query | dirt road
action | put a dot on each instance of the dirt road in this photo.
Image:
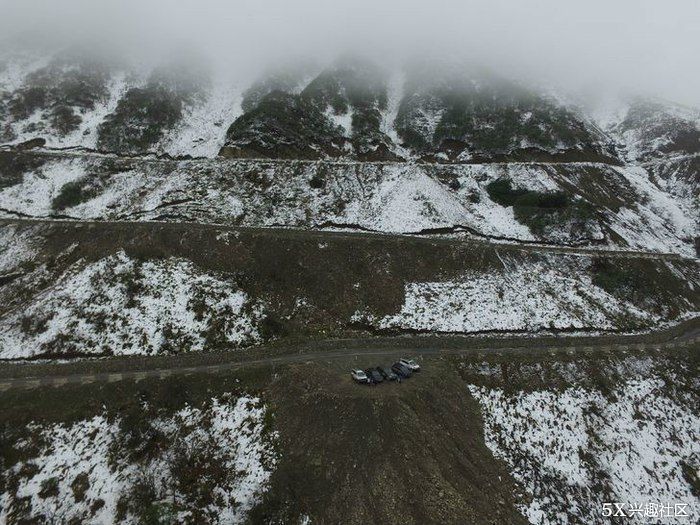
(321, 234)
(31, 375)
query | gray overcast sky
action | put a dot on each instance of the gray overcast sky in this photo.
(642, 45)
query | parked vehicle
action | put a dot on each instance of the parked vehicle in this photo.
(359, 376)
(401, 370)
(374, 376)
(386, 373)
(410, 363)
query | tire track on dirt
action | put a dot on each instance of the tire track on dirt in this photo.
(689, 337)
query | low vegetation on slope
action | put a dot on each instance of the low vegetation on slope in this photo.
(654, 129)
(143, 464)
(130, 289)
(338, 114)
(463, 114)
(145, 114)
(541, 210)
(434, 111)
(283, 126)
(583, 432)
(119, 305)
(55, 98)
(261, 445)
(605, 206)
(524, 438)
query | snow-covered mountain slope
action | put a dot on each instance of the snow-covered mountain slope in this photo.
(72, 100)
(131, 289)
(552, 293)
(99, 470)
(679, 177)
(655, 129)
(436, 113)
(576, 435)
(351, 108)
(119, 305)
(339, 113)
(663, 138)
(583, 204)
(518, 163)
(463, 113)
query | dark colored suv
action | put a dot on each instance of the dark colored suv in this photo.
(374, 376)
(386, 373)
(401, 370)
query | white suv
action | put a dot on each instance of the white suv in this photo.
(410, 363)
(359, 376)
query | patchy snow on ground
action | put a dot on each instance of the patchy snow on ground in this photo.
(405, 200)
(238, 431)
(202, 130)
(18, 246)
(119, 305)
(200, 133)
(86, 134)
(39, 123)
(341, 120)
(657, 217)
(69, 451)
(555, 293)
(16, 68)
(86, 472)
(576, 449)
(35, 194)
(678, 177)
(626, 208)
(646, 128)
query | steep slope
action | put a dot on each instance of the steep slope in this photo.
(581, 204)
(338, 113)
(91, 101)
(284, 126)
(653, 129)
(664, 138)
(579, 433)
(61, 98)
(457, 114)
(73, 290)
(137, 466)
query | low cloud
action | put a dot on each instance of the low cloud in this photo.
(596, 46)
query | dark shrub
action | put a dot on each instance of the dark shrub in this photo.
(49, 488)
(71, 194)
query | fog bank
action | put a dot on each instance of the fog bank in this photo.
(594, 46)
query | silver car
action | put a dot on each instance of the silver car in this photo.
(410, 363)
(359, 376)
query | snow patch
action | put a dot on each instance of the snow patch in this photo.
(35, 194)
(119, 306)
(230, 432)
(560, 444)
(523, 296)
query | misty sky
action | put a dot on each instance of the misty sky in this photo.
(594, 46)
